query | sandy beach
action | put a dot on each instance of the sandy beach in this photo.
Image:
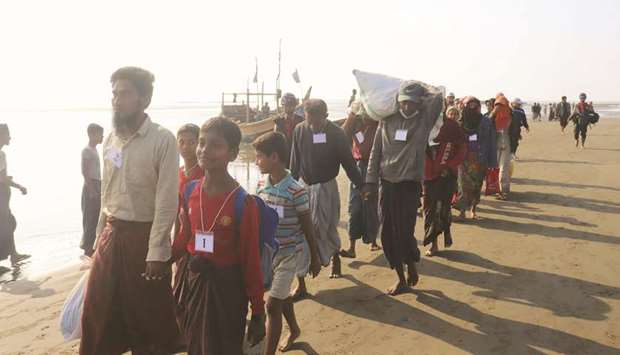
(537, 274)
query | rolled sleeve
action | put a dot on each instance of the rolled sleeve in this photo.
(166, 200)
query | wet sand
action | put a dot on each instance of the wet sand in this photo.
(538, 274)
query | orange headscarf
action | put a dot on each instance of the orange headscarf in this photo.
(503, 113)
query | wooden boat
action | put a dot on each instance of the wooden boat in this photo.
(251, 130)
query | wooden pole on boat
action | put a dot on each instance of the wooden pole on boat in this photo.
(247, 102)
(262, 95)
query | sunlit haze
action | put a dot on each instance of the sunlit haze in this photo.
(61, 53)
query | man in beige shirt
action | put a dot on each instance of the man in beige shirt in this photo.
(129, 303)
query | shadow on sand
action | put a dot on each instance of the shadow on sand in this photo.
(566, 297)
(537, 182)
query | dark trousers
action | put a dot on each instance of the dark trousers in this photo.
(581, 130)
(437, 216)
(363, 218)
(91, 205)
(398, 204)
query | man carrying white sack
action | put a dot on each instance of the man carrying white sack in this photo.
(397, 166)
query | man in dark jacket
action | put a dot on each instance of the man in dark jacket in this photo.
(563, 112)
(519, 120)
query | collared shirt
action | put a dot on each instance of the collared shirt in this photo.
(395, 160)
(316, 156)
(293, 199)
(141, 183)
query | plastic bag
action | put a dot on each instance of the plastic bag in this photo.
(378, 93)
(492, 182)
(71, 315)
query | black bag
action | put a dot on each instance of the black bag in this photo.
(592, 116)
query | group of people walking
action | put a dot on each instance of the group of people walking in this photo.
(433, 153)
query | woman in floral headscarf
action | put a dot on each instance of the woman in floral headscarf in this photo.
(481, 155)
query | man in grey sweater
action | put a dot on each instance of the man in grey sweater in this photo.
(397, 165)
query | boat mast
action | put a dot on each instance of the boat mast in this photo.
(278, 78)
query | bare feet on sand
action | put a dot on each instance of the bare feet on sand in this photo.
(300, 291)
(336, 271)
(289, 339)
(412, 275)
(347, 253)
(398, 288)
(432, 251)
(374, 247)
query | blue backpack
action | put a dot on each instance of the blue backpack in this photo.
(268, 225)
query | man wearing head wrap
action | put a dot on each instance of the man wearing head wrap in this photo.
(519, 119)
(320, 147)
(286, 122)
(581, 119)
(397, 165)
(481, 154)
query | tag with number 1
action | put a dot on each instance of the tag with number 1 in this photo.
(204, 242)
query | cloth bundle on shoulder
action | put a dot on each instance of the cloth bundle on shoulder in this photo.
(379, 93)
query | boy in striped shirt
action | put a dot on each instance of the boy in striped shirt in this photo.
(280, 191)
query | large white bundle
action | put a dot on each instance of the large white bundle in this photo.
(378, 93)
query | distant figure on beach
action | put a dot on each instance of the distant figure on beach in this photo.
(353, 97)
(519, 119)
(444, 155)
(563, 112)
(265, 110)
(481, 155)
(129, 303)
(551, 112)
(8, 223)
(363, 219)
(91, 192)
(536, 112)
(545, 109)
(396, 164)
(502, 115)
(286, 122)
(581, 119)
(320, 147)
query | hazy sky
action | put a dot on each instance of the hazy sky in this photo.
(61, 53)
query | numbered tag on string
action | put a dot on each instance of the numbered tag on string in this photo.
(204, 241)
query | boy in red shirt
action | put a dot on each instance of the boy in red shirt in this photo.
(187, 140)
(220, 269)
